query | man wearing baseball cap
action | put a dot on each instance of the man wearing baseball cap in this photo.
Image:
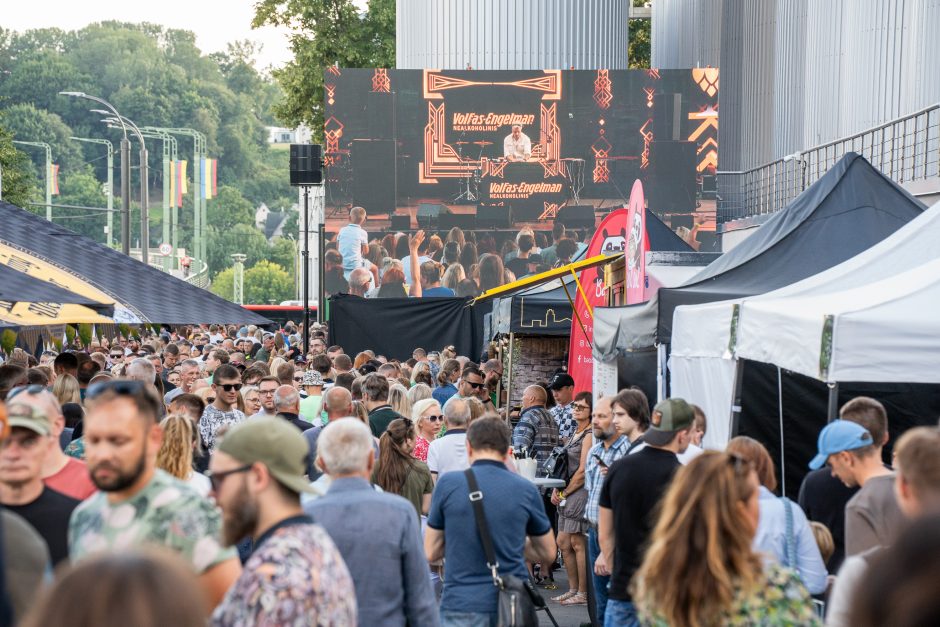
(872, 516)
(630, 494)
(295, 575)
(562, 389)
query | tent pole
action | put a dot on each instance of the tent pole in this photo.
(783, 463)
(660, 376)
(736, 402)
(512, 336)
(833, 410)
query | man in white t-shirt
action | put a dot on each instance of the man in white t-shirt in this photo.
(353, 242)
(517, 146)
(449, 452)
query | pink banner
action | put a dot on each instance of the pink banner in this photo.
(637, 244)
(610, 238)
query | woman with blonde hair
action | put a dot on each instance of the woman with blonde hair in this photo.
(428, 418)
(66, 389)
(700, 569)
(180, 440)
(398, 399)
(419, 392)
(251, 397)
(453, 275)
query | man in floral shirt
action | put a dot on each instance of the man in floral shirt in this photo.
(137, 503)
(295, 576)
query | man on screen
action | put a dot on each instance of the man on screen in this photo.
(517, 146)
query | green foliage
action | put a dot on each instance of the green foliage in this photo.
(19, 182)
(27, 123)
(284, 254)
(241, 238)
(327, 32)
(84, 333)
(266, 282)
(8, 341)
(639, 49)
(229, 208)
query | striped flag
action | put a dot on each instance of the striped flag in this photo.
(173, 184)
(209, 174)
(179, 177)
(54, 177)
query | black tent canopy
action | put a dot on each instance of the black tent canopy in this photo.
(19, 287)
(851, 208)
(142, 294)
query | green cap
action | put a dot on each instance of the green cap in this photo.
(669, 416)
(28, 417)
(275, 443)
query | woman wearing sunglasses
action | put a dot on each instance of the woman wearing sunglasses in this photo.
(428, 418)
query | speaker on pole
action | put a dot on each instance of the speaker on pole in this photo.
(306, 164)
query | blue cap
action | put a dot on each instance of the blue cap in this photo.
(838, 436)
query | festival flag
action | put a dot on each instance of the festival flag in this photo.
(183, 182)
(173, 184)
(54, 177)
(202, 178)
(209, 174)
(215, 177)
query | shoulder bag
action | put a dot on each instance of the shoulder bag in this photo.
(556, 466)
(518, 599)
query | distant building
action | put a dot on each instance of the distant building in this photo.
(281, 135)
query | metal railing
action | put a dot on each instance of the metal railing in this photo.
(906, 149)
(199, 275)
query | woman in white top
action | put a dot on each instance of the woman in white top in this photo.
(783, 532)
(175, 456)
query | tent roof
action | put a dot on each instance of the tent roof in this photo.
(142, 293)
(19, 287)
(852, 207)
(882, 305)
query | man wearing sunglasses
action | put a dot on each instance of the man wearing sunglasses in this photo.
(138, 504)
(223, 411)
(473, 384)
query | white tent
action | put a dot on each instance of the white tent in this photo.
(871, 318)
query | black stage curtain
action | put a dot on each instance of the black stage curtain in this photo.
(394, 327)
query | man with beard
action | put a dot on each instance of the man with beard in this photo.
(139, 504)
(609, 446)
(295, 575)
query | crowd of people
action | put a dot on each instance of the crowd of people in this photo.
(227, 475)
(451, 264)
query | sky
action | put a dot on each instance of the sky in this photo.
(215, 22)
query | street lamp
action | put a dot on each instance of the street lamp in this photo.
(105, 142)
(144, 194)
(48, 176)
(125, 169)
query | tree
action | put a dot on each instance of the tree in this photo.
(80, 188)
(19, 183)
(327, 32)
(229, 208)
(224, 284)
(27, 123)
(284, 253)
(639, 35)
(266, 282)
(241, 238)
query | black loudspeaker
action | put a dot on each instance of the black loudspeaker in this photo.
(465, 221)
(577, 217)
(374, 181)
(429, 214)
(493, 217)
(672, 177)
(306, 164)
(667, 117)
(380, 109)
(400, 222)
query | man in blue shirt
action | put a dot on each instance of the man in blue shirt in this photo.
(431, 281)
(377, 533)
(520, 532)
(353, 242)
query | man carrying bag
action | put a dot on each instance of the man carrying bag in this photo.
(485, 577)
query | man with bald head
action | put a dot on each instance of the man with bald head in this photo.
(60, 472)
(337, 403)
(287, 406)
(536, 431)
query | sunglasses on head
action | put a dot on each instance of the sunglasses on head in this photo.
(228, 387)
(121, 387)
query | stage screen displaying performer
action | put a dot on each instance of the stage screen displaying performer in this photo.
(530, 142)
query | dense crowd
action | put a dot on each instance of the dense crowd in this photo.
(227, 475)
(451, 264)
